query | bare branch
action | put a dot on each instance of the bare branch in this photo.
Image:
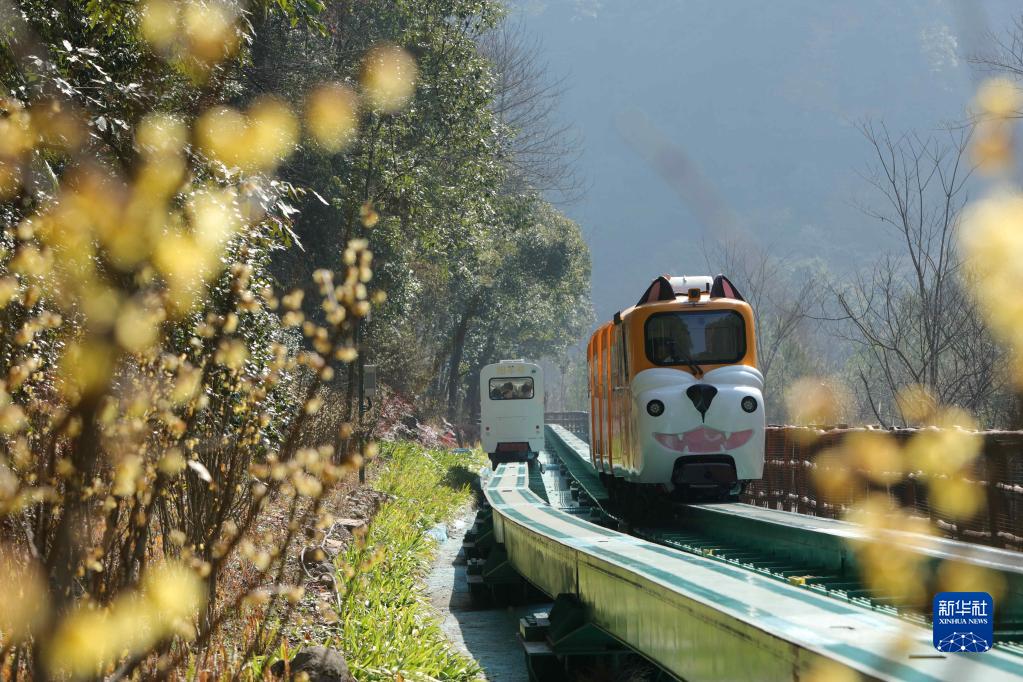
(911, 315)
(540, 151)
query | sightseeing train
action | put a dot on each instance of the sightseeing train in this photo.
(676, 399)
(511, 411)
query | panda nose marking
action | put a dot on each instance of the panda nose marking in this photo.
(702, 396)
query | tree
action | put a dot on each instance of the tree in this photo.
(440, 189)
(911, 315)
(780, 292)
(1005, 54)
(538, 151)
(418, 184)
(539, 305)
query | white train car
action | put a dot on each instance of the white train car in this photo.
(511, 410)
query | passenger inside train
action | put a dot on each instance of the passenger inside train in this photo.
(668, 341)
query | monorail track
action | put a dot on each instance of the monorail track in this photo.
(697, 601)
(809, 551)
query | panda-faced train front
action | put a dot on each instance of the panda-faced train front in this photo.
(676, 396)
(699, 433)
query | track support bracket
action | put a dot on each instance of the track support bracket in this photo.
(564, 639)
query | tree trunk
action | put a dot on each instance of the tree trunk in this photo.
(457, 349)
(472, 396)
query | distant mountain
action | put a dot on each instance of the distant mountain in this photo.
(758, 102)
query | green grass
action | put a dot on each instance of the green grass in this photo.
(386, 625)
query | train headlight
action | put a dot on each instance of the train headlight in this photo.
(655, 408)
(749, 404)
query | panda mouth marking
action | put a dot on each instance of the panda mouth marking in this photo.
(704, 440)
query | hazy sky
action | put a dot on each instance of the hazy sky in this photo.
(762, 99)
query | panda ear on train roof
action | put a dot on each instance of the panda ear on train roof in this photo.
(723, 288)
(659, 290)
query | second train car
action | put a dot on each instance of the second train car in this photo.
(676, 396)
(511, 411)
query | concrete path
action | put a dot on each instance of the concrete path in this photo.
(487, 636)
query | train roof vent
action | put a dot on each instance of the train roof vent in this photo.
(667, 287)
(682, 284)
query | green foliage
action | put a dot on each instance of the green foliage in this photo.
(386, 625)
(471, 272)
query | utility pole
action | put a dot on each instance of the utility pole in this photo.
(367, 390)
(361, 397)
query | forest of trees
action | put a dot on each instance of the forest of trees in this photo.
(476, 264)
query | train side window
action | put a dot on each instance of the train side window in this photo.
(625, 355)
(616, 379)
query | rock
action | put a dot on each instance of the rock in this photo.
(439, 532)
(333, 547)
(341, 534)
(320, 663)
(350, 523)
(362, 504)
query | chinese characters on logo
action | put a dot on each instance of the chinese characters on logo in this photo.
(964, 622)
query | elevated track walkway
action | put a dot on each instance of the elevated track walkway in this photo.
(734, 592)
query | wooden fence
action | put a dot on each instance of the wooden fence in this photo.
(792, 457)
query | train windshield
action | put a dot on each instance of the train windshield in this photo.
(706, 337)
(511, 388)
